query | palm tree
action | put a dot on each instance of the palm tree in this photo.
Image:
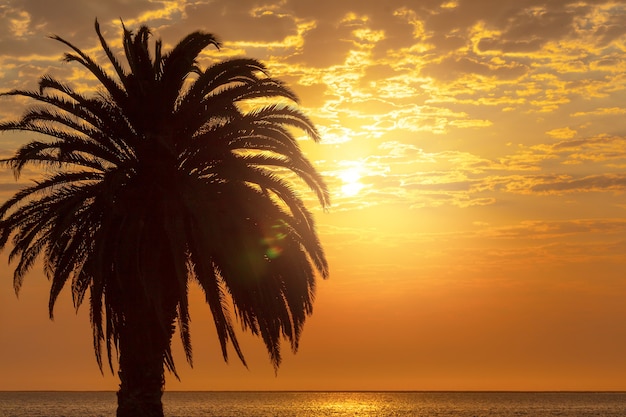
(171, 173)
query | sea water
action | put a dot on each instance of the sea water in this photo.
(321, 404)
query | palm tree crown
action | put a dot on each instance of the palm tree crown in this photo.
(168, 175)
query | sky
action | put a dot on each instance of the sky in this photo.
(476, 155)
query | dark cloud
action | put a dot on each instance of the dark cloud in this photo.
(549, 229)
(613, 29)
(68, 18)
(444, 186)
(453, 67)
(602, 182)
(240, 21)
(320, 50)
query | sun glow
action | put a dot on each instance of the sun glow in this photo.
(351, 181)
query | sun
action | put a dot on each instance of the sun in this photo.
(351, 181)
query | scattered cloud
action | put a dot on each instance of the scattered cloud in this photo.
(422, 97)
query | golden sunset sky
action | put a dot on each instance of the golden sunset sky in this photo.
(476, 155)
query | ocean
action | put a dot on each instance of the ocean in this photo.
(321, 404)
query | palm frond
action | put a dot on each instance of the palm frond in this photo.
(107, 50)
(116, 91)
(216, 76)
(181, 61)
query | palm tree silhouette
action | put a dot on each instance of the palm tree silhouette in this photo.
(171, 173)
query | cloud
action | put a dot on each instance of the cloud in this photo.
(598, 149)
(541, 229)
(454, 67)
(562, 133)
(603, 111)
(595, 183)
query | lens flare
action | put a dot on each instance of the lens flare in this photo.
(273, 240)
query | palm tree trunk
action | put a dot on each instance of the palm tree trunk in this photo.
(143, 342)
(142, 347)
(149, 293)
(141, 373)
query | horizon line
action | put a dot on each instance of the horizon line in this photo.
(487, 391)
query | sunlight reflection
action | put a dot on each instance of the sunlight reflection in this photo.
(350, 407)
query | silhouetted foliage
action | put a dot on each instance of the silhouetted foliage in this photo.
(167, 175)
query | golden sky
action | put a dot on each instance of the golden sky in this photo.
(476, 153)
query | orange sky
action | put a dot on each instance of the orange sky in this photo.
(476, 153)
